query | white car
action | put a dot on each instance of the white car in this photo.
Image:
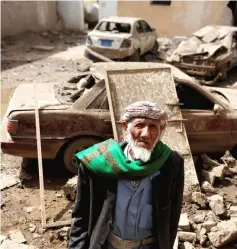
(121, 38)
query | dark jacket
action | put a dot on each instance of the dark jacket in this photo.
(94, 207)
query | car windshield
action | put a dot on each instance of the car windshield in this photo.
(114, 27)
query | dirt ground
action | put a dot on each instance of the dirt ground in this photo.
(23, 64)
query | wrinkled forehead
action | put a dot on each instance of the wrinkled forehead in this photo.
(144, 120)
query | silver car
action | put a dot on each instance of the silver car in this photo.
(121, 38)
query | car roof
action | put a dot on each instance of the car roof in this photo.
(119, 19)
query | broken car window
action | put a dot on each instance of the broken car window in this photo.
(114, 27)
(192, 99)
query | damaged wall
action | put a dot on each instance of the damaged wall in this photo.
(180, 17)
(19, 16)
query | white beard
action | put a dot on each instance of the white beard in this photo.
(139, 152)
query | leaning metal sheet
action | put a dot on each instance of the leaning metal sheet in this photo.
(154, 84)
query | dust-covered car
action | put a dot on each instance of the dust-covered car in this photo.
(121, 38)
(211, 51)
(71, 120)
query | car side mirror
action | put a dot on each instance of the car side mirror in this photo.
(218, 110)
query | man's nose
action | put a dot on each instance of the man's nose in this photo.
(145, 133)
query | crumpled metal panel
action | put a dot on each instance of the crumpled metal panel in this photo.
(155, 84)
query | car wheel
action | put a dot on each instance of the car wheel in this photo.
(74, 147)
(135, 56)
(234, 151)
(154, 50)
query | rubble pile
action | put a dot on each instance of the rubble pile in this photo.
(213, 224)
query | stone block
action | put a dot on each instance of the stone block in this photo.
(184, 222)
(199, 198)
(225, 232)
(187, 236)
(216, 204)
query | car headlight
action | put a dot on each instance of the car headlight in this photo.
(89, 40)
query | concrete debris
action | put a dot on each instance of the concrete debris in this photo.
(199, 198)
(216, 203)
(208, 225)
(32, 227)
(208, 176)
(219, 171)
(8, 244)
(59, 195)
(187, 236)
(206, 187)
(17, 236)
(31, 209)
(44, 34)
(233, 212)
(187, 245)
(201, 234)
(210, 216)
(70, 188)
(184, 222)
(2, 238)
(199, 218)
(223, 233)
(43, 47)
(62, 233)
(7, 181)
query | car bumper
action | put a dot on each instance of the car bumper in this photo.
(199, 70)
(28, 148)
(113, 53)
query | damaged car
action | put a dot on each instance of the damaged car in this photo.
(209, 52)
(121, 38)
(75, 115)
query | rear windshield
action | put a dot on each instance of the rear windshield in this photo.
(114, 27)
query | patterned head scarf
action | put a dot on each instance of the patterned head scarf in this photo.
(145, 109)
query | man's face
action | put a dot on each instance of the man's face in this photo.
(145, 132)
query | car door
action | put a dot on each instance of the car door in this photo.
(206, 130)
(141, 37)
(150, 35)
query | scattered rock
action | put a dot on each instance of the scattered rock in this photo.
(17, 236)
(208, 176)
(219, 171)
(85, 66)
(187, 236)
(203, 239)
(70, 188)
(30, 209)
(216, 203)
(233, 212)
(210, 216)
(62, 233)
(8, 244)
(208, 225)
(184, 222)
(2, 238)
(199, 218)
(59, 195)
(223, 233)
(206, 187)
(199, 198)
(187, 245)
(44, 34)
(7, 181)
(43, 47)
(32, 227)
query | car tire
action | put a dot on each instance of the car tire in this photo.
(154, 50)
(234, 151)
(135, 56)
(72, 148)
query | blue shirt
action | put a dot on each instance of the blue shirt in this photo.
(133, 211)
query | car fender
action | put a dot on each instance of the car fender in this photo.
(223, 59)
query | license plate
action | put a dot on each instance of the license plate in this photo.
(106, 43)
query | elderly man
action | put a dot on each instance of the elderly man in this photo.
(129, 195)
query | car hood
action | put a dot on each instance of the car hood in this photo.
(109, 35)
(229, 93)
(23, 98)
